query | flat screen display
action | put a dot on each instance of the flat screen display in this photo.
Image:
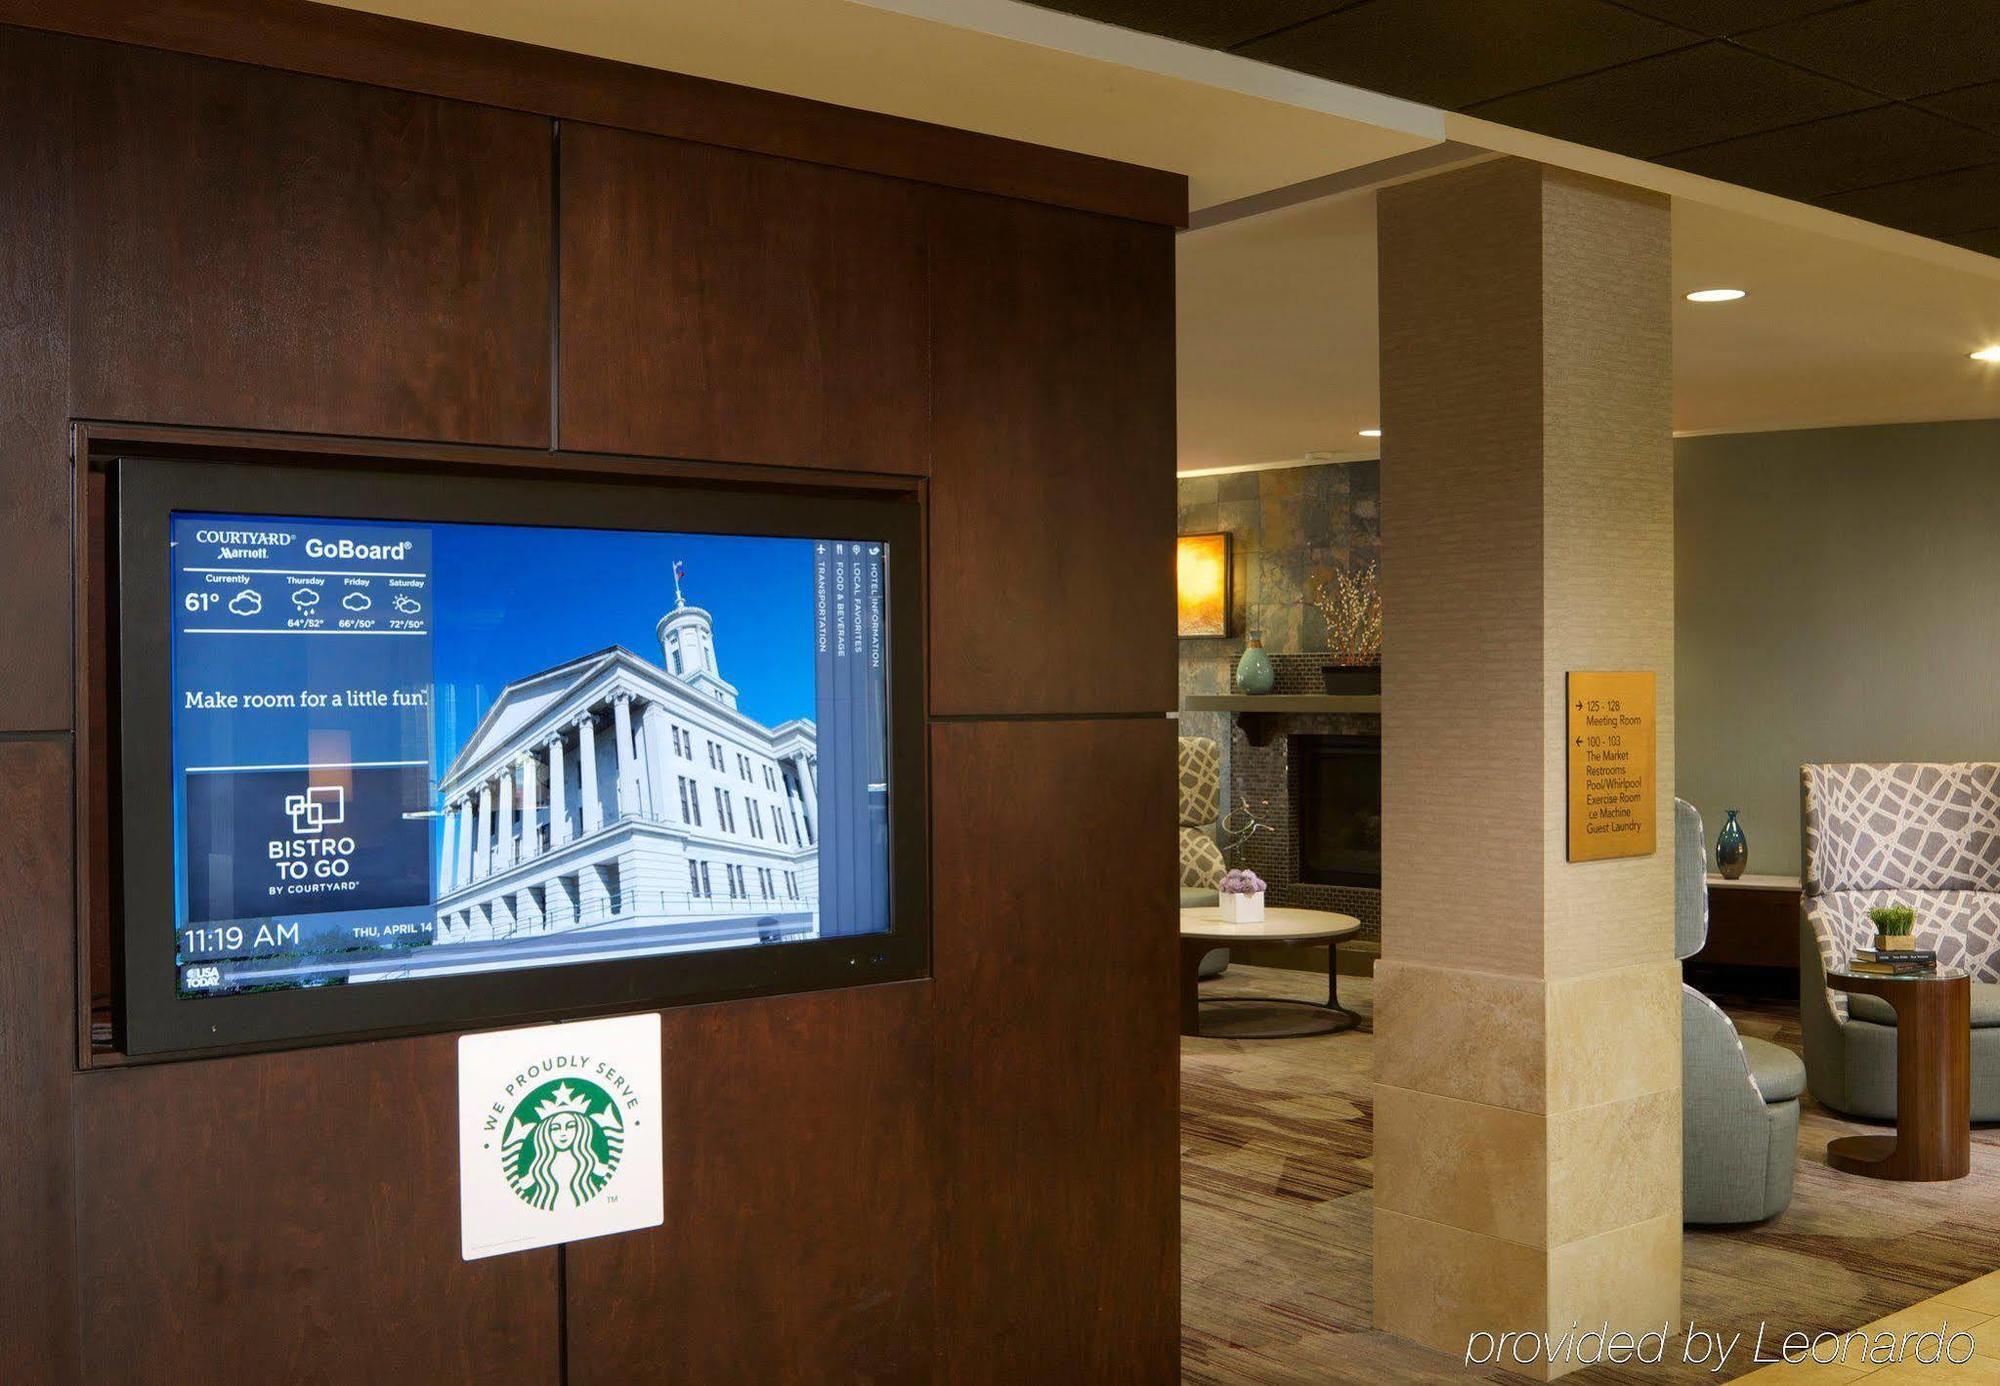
(420, 750)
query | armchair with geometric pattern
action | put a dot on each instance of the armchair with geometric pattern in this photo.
(1201, 808)
(1921, 834)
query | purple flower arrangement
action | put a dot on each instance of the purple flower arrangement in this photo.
(1240, 883)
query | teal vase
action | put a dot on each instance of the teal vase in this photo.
(1253, 672)
(1732, 850)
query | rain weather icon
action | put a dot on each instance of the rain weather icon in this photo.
(357, 601)
(246, 603)
(407, 604)
(305, 599)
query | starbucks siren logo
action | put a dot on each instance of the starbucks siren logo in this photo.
(563, 1143)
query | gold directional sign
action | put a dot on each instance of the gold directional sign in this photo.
(1613, 747)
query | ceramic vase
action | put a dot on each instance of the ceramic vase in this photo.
(1254, 673)
(1732, 850)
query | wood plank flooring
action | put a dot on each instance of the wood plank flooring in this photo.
(1276, 1219)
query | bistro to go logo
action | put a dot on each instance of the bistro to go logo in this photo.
(563, 1144)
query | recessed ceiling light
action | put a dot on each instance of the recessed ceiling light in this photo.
(1714, 295)
(1991, 353)
(1371, 433)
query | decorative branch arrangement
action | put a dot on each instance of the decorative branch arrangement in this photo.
(1351, 605)
(1239, 825)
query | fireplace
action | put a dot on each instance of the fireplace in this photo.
(1306, 805)
(1336, 800)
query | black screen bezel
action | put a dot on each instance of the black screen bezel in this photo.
(158, 1022)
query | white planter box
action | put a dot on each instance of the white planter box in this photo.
(1242, 909)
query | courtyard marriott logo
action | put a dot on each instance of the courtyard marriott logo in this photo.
(1718, 1349)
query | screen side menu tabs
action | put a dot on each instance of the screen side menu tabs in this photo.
(302, 671)
(849, 580)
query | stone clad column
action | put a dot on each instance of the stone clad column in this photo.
(530, 838)
(586, 765)
(628, 774)
(558, 794)
(482, 845)
(1527, 1008)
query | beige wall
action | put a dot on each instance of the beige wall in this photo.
(1838, 598)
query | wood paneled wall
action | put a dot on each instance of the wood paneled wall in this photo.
(389, 232)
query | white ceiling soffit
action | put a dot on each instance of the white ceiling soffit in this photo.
(1277, 332)
(1234, 127)
(1834, 331)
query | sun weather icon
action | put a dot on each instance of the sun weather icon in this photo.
(563, 1144)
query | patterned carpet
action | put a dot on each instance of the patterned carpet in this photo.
(1276, 1183)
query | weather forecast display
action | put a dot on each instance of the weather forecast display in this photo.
(422, 749)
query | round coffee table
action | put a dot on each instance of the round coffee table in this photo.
(1203, 930)
(1933, 1139)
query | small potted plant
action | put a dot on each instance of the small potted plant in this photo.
(1893, 925)
(1242, 895)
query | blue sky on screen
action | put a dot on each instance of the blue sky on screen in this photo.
(513, 600)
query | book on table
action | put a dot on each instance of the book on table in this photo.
(1869, 967)
(1925, 956)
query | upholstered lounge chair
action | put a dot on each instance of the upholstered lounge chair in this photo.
(1201, 858)
(1739, 1095)
(1906, 833)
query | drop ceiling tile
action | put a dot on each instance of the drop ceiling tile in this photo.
(1944, 204)
(1210, 23)
(1676, 101)
(1450, 53)
(1978, 105)
(1721, 18)
(1900, 48)
(1844, 152)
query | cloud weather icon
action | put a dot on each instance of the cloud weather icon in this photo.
(305, 599)
(407, 604)
(246, 603)
(357, 601)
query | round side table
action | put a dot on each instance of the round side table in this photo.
(1203, 929)
(1933, 1139)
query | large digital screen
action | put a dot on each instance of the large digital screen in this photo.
(410, 750)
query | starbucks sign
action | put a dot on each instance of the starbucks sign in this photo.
(559, 1134)
(563, 1144)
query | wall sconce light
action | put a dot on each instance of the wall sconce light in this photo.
(1203, 565)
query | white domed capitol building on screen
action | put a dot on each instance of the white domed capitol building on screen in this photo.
(613, 792)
